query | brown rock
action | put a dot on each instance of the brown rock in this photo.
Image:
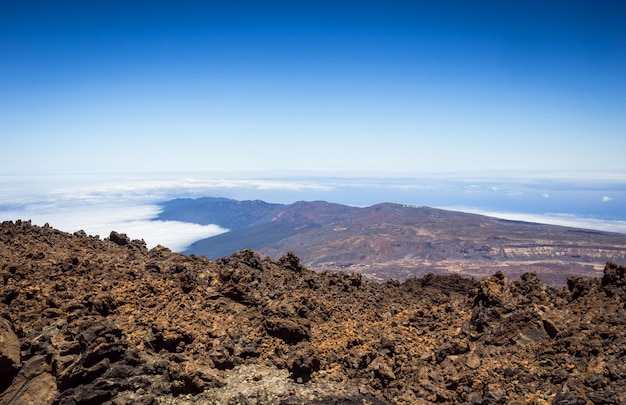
(119, 324)
(9, 351)
(120, 239)
(302, 362)
(382, 370)
(34, 384)
(289, 330)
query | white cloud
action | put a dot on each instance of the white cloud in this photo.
(101, 204)
(552, 219)
(175, 235)
(100, 219)
(472, 188)
(140, 188)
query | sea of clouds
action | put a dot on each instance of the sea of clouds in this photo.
(130, 204)
(101, 204)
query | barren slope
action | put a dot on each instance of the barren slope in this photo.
(393, 241)
(85, 321)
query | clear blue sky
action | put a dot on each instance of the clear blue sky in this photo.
(340, 86)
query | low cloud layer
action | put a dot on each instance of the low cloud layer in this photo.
(100, 219)
(129, 204)
(553, 219)
(99, 205)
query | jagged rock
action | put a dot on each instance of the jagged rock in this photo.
(9, 353)
(382, 370)
(302, 362)
(492, 291)
(120, 239)
(103, 303)
(614, 281)
(247, 257)
(111, 322)
(578, 286)
(451, 348)
(34, 384)
(494, 394)
(222, 355)
(291, 262)
(289, 330)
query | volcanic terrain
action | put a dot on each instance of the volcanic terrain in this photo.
(392, 241)
(85, 320)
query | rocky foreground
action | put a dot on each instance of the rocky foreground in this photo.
(90, 321)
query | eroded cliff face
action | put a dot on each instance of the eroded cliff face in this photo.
(86, 321)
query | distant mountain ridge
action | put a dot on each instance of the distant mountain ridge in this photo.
(389, 240)
(227, 213)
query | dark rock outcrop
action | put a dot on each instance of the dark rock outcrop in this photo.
(9, 353)
(85, 321)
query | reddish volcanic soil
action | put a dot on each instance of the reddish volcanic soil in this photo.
(90, 321)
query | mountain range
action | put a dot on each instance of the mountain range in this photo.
(392, 241)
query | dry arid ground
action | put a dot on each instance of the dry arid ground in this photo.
(91, 321)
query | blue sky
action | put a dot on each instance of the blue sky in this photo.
(342, 87)
(515, 109)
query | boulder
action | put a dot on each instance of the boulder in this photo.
(34, 384)
(9, 352)
(120, 239)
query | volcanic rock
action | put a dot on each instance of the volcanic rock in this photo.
(86, 321)
(9, 351)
